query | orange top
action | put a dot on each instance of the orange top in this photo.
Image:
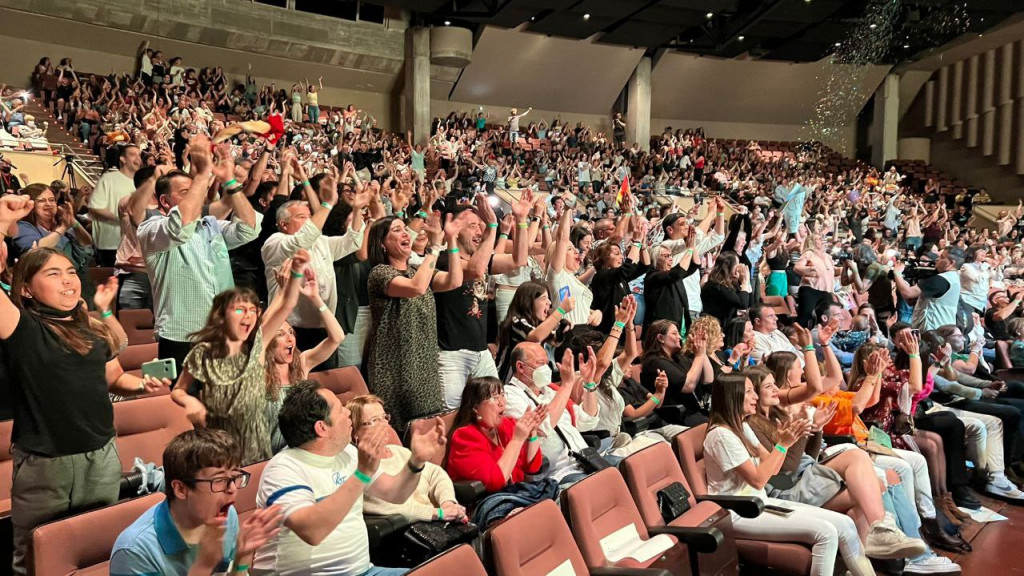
(845, 422)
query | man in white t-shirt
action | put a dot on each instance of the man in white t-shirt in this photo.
(110, 189)
(767, 336)
(319, 482)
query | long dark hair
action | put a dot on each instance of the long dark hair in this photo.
(722, 271)
(780, 363)
(215, 331)
(767, 426)
(653, 348)
(727, 398)
(521, 307)
(375, 242)
(477, 391)
(80, 331)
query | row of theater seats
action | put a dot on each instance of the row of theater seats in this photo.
(143, 426)
(538, 540)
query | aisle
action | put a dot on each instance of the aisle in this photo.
(998, 546)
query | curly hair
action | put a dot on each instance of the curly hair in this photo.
(712, 332)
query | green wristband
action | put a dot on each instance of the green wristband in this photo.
(440, 514)
(453, 250)
(305, 182)
(492, 224)
(362, 477)
(781, 448)
(520, 225)
(503, 236)
(229, 184)
(590, 386)
(242, 568)
(620, 325)
(809, 348)
(107, 314)
(326, 205)
(297, 274)
(908, 355)
(422, 214)
(655, 400)
(533, 439)
(560, 311)
(400, 214)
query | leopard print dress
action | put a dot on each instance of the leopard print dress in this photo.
(402, 366)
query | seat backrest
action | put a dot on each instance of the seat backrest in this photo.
(597, 506)
(646, 473)
(138, 325)
(1003, 355)
(135, 355)
(461, 560)
(84, 540)
(6, 460)
(346, 382)
(446, 417)
(690, 447)
(245, 499)
(534, 541)
(145, 426)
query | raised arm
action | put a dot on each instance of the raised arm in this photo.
(12, 209)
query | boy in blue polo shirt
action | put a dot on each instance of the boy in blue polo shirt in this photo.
(196, 530)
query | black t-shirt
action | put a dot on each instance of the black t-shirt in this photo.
(933, 286)
(462, 313)
(59, 397)
(610, 286)
(352, 275)
(998, 327)
(676, 379)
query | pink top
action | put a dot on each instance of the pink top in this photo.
(825, 279)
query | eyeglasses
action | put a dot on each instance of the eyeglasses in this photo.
(497, 398)
(373, 421)
(240, 480)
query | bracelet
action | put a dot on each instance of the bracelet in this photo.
(492, 224)
(809, 348)
(502, 236)
(720, 213)
(400, 214)
(655, 400)
(323, 308)
(620, 325)
(305, 182)
(297, 274)
(229, 184)
(242, 568)
(781, 448)
(440, 514)
(638, 244)
(590, 386)
(453, 250)
(234, 190)
(413, 469)
(914, 356)
(520, 225)
(533, 439)
(422, 214)
(107, 314)
(545, 227)
(363, 477)
(326, 205)
(560, 311)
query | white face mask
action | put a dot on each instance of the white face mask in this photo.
(542, 376)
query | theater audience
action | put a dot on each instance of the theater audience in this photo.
(662, 350)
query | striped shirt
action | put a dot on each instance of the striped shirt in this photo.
(188, 265)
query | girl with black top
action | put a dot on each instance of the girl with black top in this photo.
(63, 366)
(662, 345)
(614, 273)
(727, 290)
(531, 318)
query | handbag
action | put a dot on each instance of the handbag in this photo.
(589, 459)
(673, 501)
(424, 540)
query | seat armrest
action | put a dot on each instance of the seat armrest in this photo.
(467, 492)
(745, 506)
(1008, 374)
(635, 426)
(380, 527)
(704, 540)
(617, 571)
(834, 440)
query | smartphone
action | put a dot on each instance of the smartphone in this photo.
(161, 369)
(778, 510)
(916, 333)
(563, 293)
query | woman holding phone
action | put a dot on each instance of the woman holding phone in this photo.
(564, 261)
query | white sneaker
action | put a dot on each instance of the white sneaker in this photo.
(886, 542)
(933, 565)
(1003, 488)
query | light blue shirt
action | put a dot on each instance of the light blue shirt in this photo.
(152, 546)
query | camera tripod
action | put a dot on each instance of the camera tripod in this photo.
(69, 170)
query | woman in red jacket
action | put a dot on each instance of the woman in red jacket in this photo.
(489, 447)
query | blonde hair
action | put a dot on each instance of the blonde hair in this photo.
(712, 332)
(355, 406)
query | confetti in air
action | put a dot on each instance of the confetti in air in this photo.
(887, 32)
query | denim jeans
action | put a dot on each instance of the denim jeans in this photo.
(381, 571)
(136, 292)
(895, 501)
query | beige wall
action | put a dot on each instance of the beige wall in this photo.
(35, 166)
(748, 131)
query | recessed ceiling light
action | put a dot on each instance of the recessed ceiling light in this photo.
(873, 26)
(447, 22)
(838, 44)
(742, 38)
(532, 18)
(906, 46)
(710, 15)
(586, 16)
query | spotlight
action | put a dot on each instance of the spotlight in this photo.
(447, 22)
(742, 38)
(709, 15)
(873, 26)
(906, 46)
(586, 17)
(838, 44)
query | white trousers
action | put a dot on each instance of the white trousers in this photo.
(984, 434)
(350, 353)
(458, 366)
